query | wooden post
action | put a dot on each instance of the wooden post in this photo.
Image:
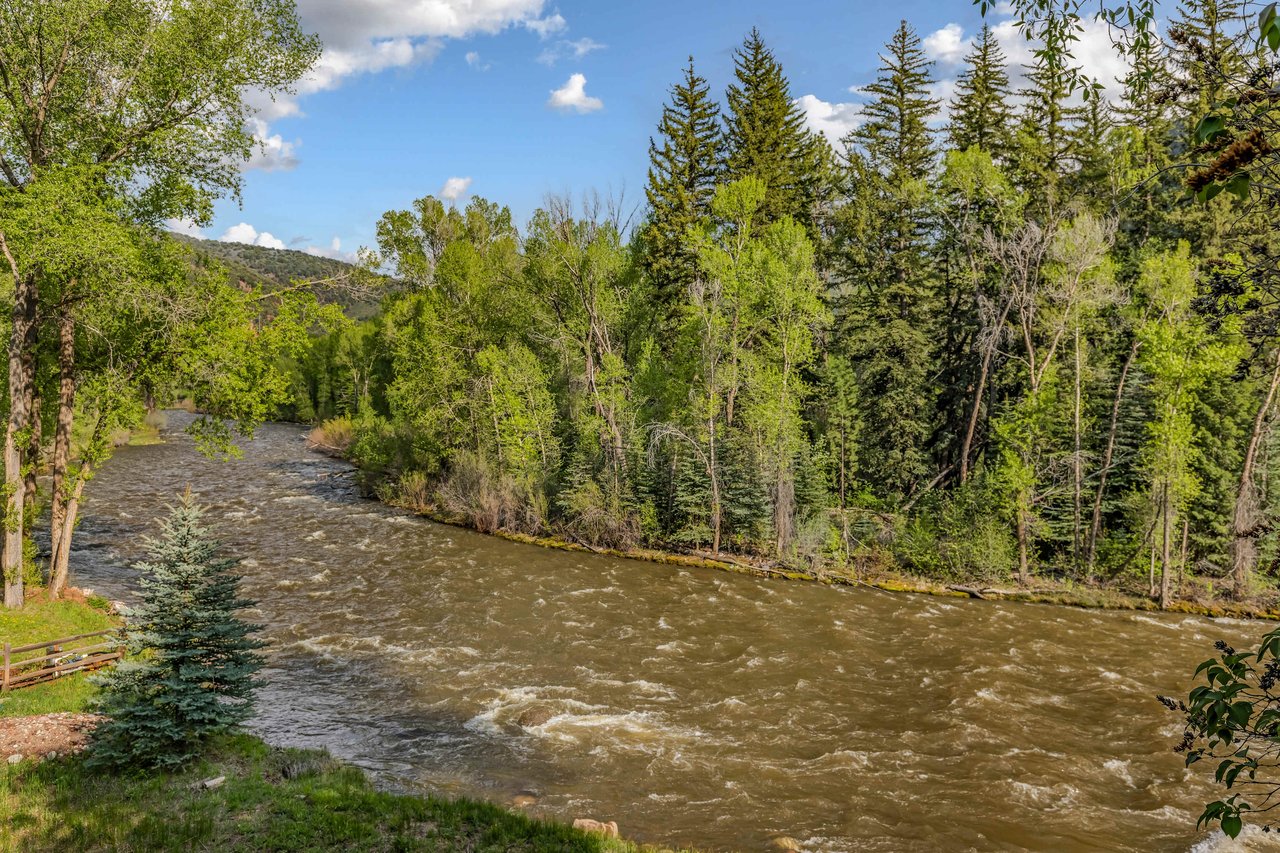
(4, 679)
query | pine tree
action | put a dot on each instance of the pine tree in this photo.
(885, 227)
(1043, 143)
(196, 676)
(980, 113)
(765, 136)
(1205, 53)
(1089, 135)
(683, 165)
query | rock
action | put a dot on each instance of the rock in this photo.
(210, 784)
(586, 824)
(52, 755)
(534, 717)
(16, 758)
(523, 801)
(786, 842)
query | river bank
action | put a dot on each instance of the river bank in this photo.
(244, 794)
(878, 571)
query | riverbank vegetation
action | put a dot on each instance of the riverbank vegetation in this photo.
(268, 799)
(997, 340)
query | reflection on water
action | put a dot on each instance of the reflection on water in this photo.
(691, 706)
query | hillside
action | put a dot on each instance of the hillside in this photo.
(258, 265)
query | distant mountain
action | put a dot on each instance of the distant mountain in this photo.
(258, 265)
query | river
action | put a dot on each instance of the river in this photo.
(691, 706)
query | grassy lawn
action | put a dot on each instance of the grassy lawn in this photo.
(273, 799)
(44, 620)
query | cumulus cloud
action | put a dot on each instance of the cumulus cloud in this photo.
(246, 233)
(832, 120)
(948, 45)
(333, 250)
(271, 152)
(473, 60)
(455, 188)
(573, 96)
(368, 36)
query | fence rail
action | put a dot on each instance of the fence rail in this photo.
(60, 657)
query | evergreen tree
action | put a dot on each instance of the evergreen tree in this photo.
(887, 334)
(682, 172)
(196, 676)
(1089, 136)
(1205, 53)
(981, 114)
(765, 136)
(1044, 147)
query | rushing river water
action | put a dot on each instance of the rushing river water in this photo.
(692, 706)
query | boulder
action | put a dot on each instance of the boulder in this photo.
(586, 824)
(16, 758)
(532, 717)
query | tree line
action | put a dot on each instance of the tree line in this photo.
(1020, 334)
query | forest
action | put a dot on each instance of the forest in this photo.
(1023, 335)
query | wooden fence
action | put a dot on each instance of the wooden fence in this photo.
(60, 657)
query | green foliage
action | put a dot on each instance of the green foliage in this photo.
(1231, 718)
(981, 114)
(765, 137)
(682, 175)
(193, 676)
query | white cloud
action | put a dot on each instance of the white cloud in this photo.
(548, 26)
(333, 250)
(271, 152)
(564, 48)
(573, 96)
(473, 60)
(948, 45)
(184, 226)
(455, 188)
(246, 233)
(368, 36)
(834, 121)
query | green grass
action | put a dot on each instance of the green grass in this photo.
(43, 620)
(273, 799)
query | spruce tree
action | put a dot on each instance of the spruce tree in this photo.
(980, 113)
(1089, 137)
(683, 164)
(194, 674)
(1043, 142)
(885, 228)
(765, 136)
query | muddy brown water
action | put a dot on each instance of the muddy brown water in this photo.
(691, 706)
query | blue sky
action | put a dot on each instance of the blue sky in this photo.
(513, 99)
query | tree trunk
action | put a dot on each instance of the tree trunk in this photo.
(62, 451)
(1095, 526)
(24, 311)
(1166, 534)
(987, 354)
(1077, 470)
(1244, 519)
(1024, 561)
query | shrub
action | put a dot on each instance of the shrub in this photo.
(194, 661)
